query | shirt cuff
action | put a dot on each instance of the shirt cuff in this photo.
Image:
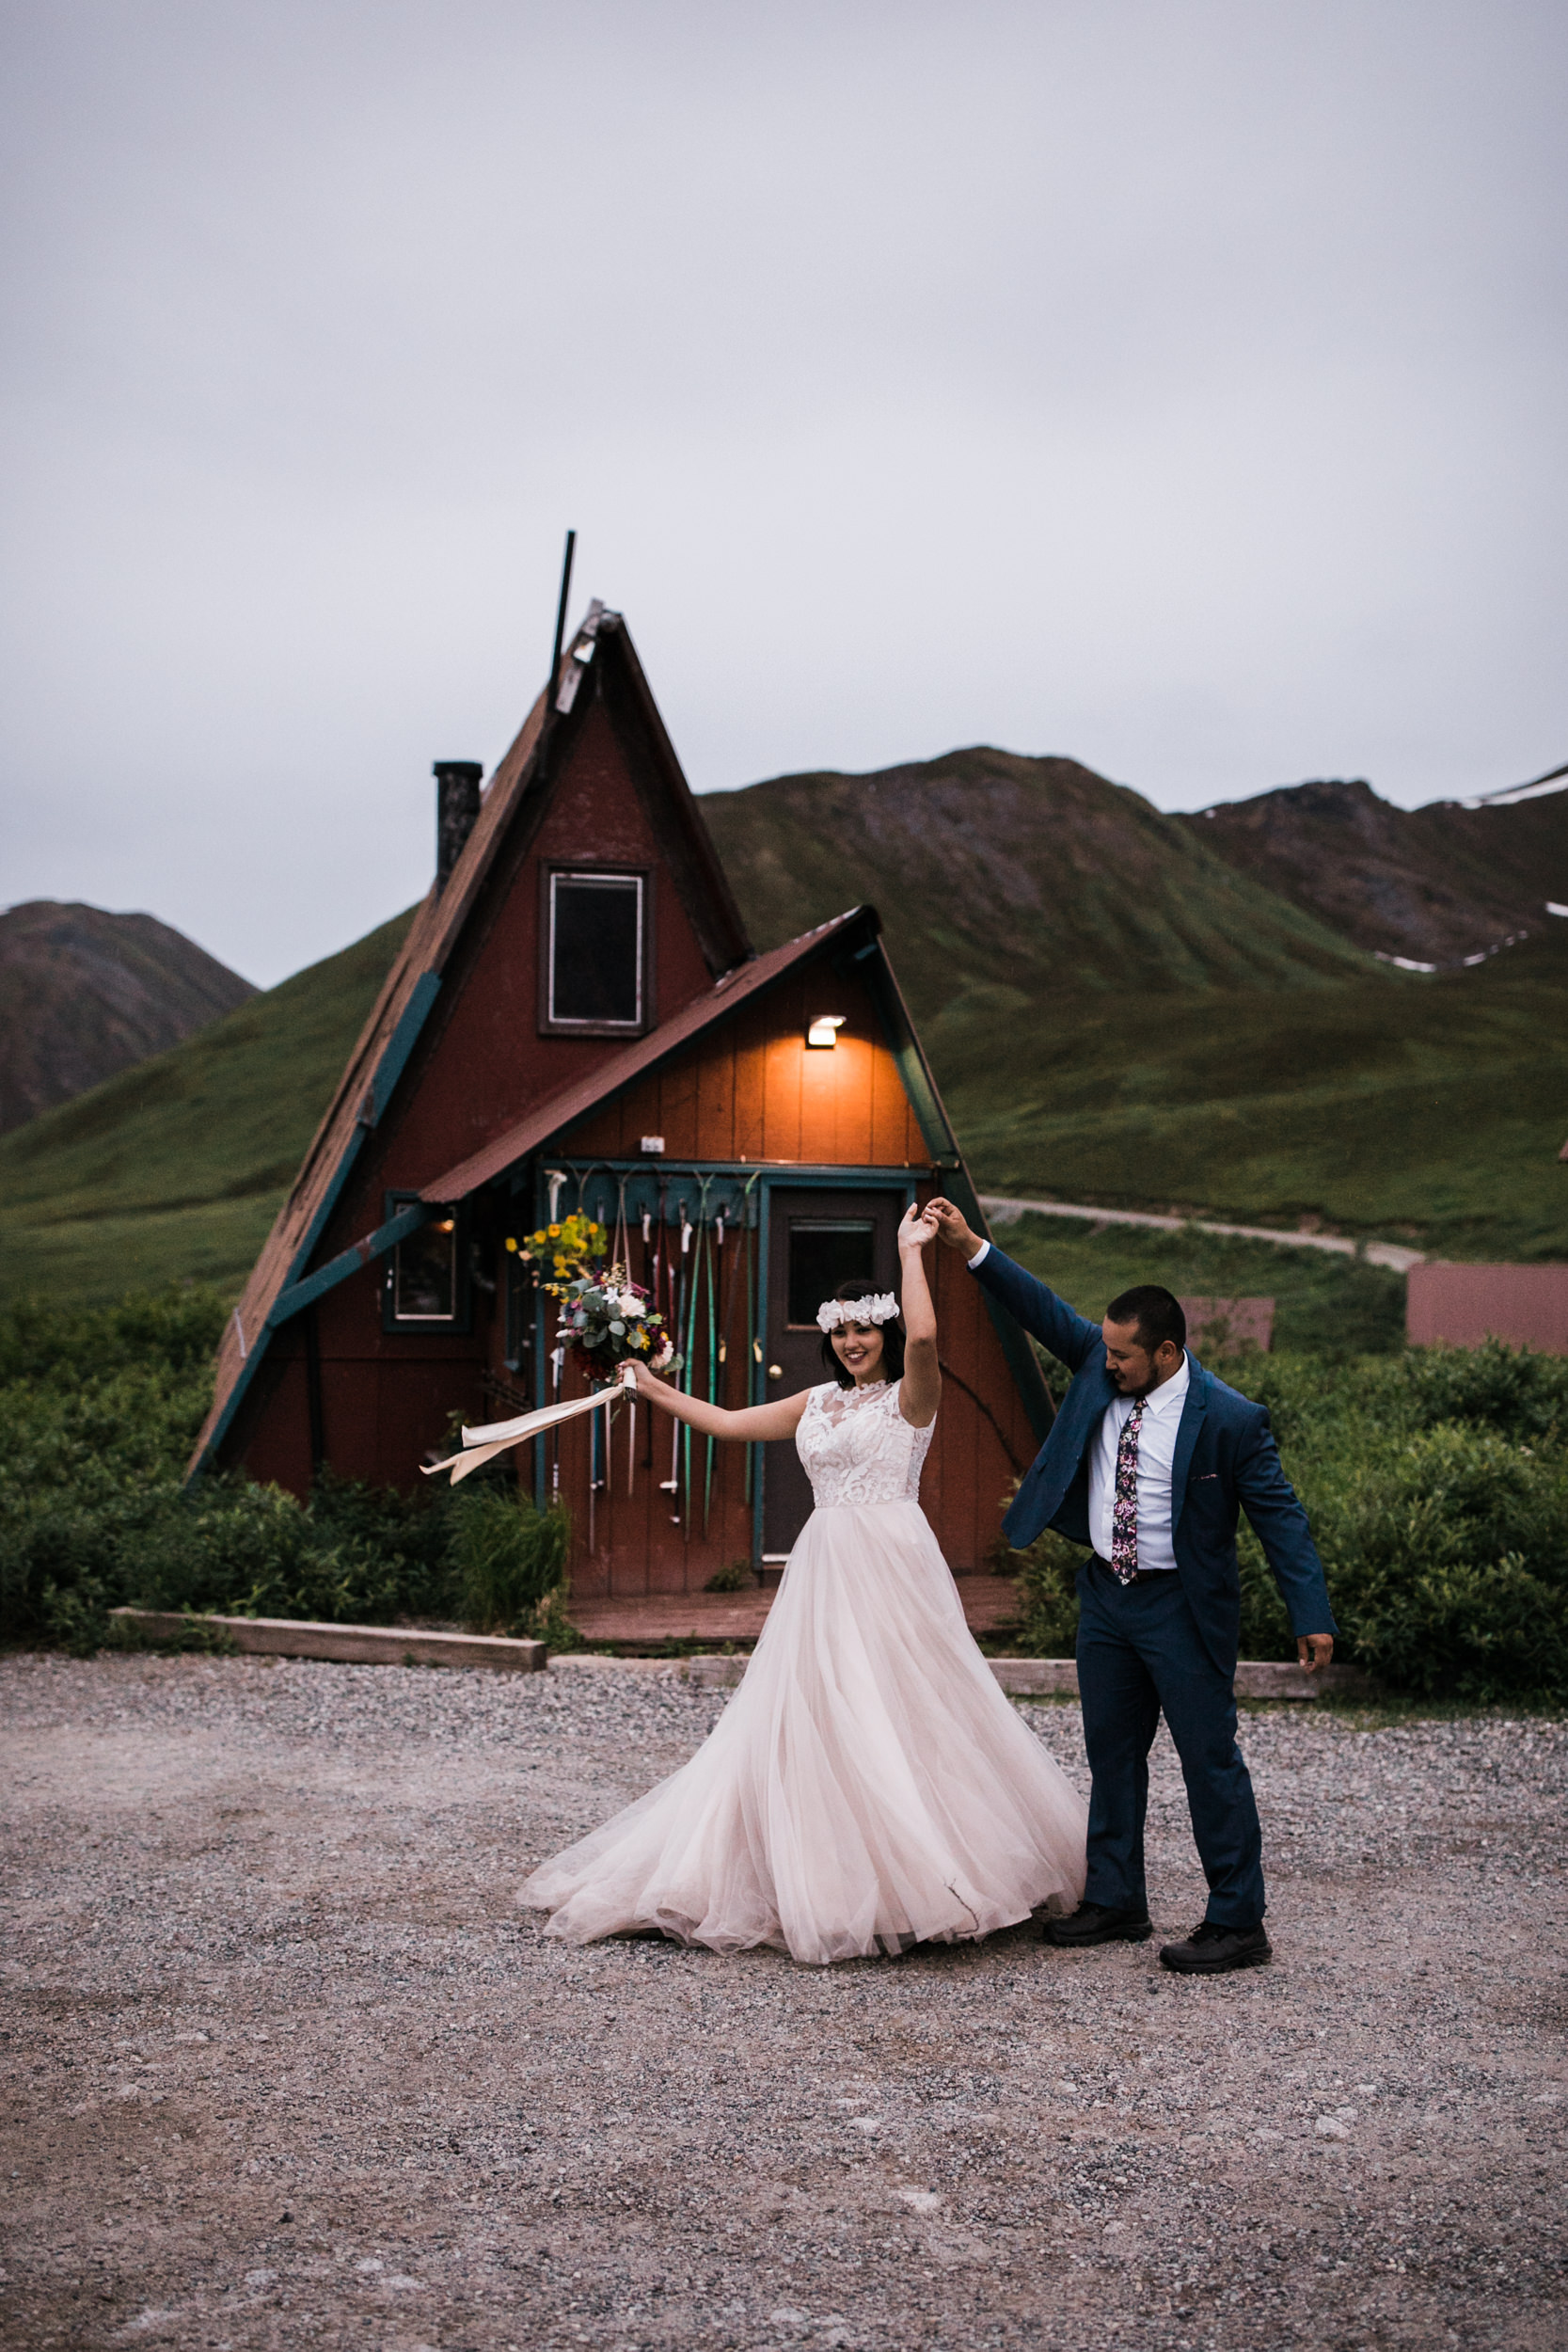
(979, 1254)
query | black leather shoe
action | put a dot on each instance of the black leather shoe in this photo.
(1211, 1949)
(1098, 1923)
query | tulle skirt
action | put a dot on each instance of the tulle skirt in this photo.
(868, 1787)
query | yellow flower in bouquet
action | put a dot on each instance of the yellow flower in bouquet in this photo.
(568, 1251)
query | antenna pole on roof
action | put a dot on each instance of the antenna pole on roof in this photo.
(560, 610)
(555, 657)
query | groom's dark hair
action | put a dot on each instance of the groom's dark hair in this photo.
(893, 1339)
(1156, 1312)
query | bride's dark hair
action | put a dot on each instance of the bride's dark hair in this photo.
(893, 1341)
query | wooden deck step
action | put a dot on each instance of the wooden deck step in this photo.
(648, 1622)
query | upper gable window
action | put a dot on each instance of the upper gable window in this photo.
(595, 940)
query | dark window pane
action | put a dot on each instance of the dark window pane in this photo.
(424, 1277)
(821, 1256)
(597, 937)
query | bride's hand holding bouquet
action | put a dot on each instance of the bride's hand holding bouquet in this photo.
(609, 1317)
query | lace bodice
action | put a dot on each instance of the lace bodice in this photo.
(857, 1446)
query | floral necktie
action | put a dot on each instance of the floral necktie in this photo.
(1124, 1510)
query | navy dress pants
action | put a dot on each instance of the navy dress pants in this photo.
(1139, 1652)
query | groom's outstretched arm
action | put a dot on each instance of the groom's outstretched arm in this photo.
(1069, 1336)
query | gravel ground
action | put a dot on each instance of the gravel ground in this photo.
(286, 2065)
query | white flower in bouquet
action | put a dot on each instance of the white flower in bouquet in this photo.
(609, 1317)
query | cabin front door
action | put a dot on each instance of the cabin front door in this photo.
(817, 1240)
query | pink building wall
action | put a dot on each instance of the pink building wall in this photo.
(1525, 1305)
(1217, 1325)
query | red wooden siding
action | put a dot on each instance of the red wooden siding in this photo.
(751, 1090)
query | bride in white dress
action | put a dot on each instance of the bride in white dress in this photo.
(868, 1787)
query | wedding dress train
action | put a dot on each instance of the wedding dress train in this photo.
(868, 1787)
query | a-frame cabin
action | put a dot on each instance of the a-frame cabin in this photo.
(578, 1020)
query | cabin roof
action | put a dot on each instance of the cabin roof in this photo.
(524, 774)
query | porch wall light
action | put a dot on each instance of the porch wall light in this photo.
(824, 1030)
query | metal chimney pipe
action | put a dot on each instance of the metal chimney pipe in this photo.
(457, 783)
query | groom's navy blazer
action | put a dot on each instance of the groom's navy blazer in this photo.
(1226, 1459)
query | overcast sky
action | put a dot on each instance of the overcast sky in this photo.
(1181, 387)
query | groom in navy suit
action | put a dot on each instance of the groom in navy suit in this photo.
(1147, 1462)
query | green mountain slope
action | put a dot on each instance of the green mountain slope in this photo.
(1429, 1111)
(177, 1166)
(989, 868)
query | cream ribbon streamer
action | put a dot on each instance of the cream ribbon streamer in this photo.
(482, 1444)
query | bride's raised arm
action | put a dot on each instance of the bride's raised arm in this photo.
(776, 1419)
(921, 1391)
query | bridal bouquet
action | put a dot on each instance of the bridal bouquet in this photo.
(608, 1314)
(602, 1309)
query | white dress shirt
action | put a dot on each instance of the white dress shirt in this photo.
(1156, 1456)
(1156, 1459)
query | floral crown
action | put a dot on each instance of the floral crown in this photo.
(880, 1309)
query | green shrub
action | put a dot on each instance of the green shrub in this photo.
(1047, 1574)
(1524, 1397)
(509, 1558)
(1449, 1560)
(99, 1412)
(178, 1327)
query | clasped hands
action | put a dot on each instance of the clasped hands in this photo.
(918, 1226)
